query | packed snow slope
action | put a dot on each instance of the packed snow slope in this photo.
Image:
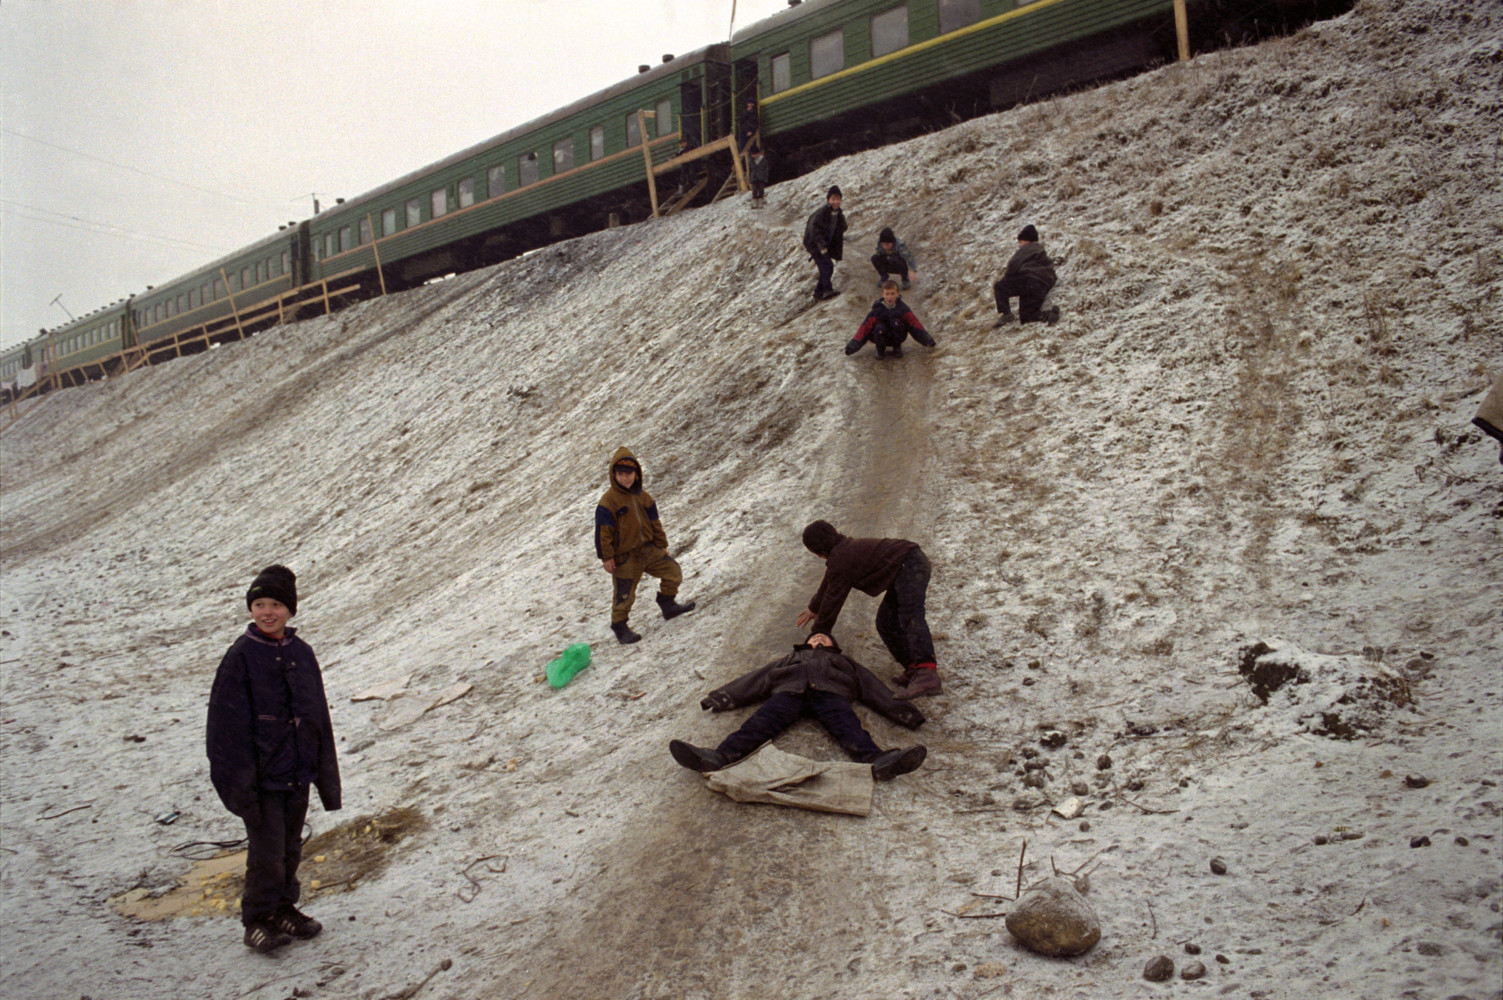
(1279, 277)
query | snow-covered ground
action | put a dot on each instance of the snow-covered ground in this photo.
(1280, 276)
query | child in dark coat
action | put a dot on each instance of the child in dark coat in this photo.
(824, 239)
(817, 681)
(893, 257)
(888, 325)
(1029, 276)
(759, 170)
(270, 738)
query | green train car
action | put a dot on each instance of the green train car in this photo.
(561, 175)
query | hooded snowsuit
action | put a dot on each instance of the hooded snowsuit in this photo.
(627, 530)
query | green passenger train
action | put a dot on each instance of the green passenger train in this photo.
(827, 77)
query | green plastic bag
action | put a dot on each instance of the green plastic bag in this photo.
(562, 670)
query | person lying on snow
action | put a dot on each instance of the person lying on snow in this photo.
(815, 680)
(888, 325)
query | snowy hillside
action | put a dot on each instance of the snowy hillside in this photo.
(1280, 283)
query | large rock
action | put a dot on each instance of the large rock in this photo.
(1054, 919)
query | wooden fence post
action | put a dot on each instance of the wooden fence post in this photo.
(376, 249)
(1182, 29)
(652, 182)
(234, 310)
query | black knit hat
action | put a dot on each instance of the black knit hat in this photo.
(1029, 234)
(887, 236)
(276, 582)
(834, 192)
(820, 537)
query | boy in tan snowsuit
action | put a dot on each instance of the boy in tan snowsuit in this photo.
(630, 541)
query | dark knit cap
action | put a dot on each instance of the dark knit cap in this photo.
(276, 582)
(1029, 234)
(820, 537)
(834, 192)
(887, 236)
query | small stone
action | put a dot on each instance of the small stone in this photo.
(1034, 779)
(1195, 970)
(1103, 763)
(1159, 969)
(1054, 739)
(1462, 841)
(1029, 753)
(1085, 826)
(1430, 948)
(1419, 841)
(1321, 839)
(1223, 959)
(1351, 835)
(1080, 788)
(1054, 919)
(1135, 785)
(1191, 948)
(1416, 781)
(1218, 866)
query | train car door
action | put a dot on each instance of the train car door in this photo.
(691, 104)
(302, 255)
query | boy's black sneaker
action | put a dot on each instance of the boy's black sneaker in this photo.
(890, 763)
(624, 634)
(881, 352)
(1052, 316)
(1003, 319)
(263, 936)
(897, 350)
(695, 758)
(291, 920)
(905, 284)
(671, 608)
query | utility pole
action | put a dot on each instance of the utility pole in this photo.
(58, 301)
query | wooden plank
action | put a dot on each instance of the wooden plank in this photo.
(234, 311)
(376, 249)
(652, 183)
(1182, 30)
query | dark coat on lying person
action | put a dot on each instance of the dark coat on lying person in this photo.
(820, 669)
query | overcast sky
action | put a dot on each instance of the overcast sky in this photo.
(142, 138)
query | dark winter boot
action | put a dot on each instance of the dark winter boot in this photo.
(264, 937)
(881, 352)
(925, 681)
(702, 758)
(624, 634)
(890, 763)
(905, 284)
(1004, 318)
(671, 608)
(291, 920)
(1052, 316)
(897, 350)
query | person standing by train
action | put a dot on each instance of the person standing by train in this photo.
(748, 124)
(824, 238)
(758, 171)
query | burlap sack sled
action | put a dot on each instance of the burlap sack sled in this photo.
(786, 779)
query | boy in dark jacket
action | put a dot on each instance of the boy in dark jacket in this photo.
(269, 738)
(824, 238)
(888, 325)
(874, 565)
(758, 170)
(892, 257)
(817, 681)
(630, 541)
(1029, 276)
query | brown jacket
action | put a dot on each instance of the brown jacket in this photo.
(822, 669)
(626, 520)
(867, 564)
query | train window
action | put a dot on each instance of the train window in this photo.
(955, 14)
(827, 54)
(889, 31)
(527, 167)
(330, 246)
(467, 192)
(182, 304)
(365, 231)
(414, 213)
(156, 312)
(263, 270)
(388, 222)
(495, 182)
(203, 295)
(782, 73)
(218, 288)
(563, 155)
(346, 238)
(284, 263)
(633, 131)
(665, 119)
(597, 142)
(438, 201)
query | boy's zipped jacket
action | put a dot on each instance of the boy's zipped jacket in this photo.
(1030, 261)
(626, 520)
(825, 232)
(866, 564)
(822, 669)
(896, 319)
(269, 725)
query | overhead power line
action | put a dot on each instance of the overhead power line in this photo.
(143, 173)
(102, 228)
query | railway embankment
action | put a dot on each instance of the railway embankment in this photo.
(1280, 287)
